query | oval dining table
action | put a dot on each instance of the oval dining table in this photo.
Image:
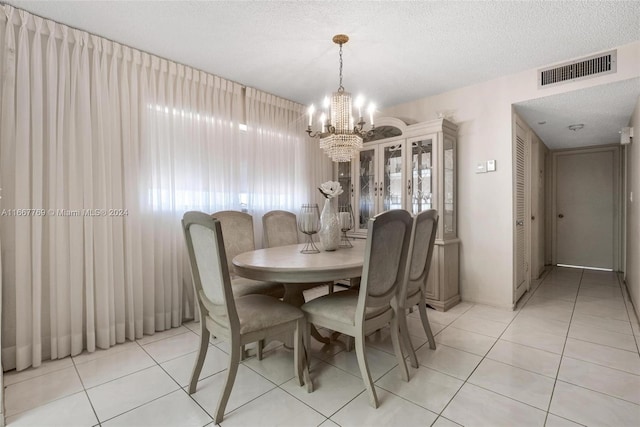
(287, 265)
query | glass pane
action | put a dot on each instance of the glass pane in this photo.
(421, 190)
(344, 178)
(449, 187)
(392, 196)
(367, 172)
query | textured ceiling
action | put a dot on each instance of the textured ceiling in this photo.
(603, 110)
(398, 52)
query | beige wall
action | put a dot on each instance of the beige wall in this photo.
(633, 212)
(485, 215)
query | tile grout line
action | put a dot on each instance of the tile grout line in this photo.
(498, 339)
(360, 379)
(179, 385)
(278, 386)
(84, 389)
(314, 409)
(476, 367)
(599, 364)
(590, 362)
(555, 381)
(485, 356)
(596, 363)
(141, 346)
(426, 343)
(627, 304)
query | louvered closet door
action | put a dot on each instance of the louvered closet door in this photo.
(521, 265)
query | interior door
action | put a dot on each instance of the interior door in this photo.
(586, 194)
(521, 208)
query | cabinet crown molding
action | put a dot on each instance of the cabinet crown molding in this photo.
(385, 124)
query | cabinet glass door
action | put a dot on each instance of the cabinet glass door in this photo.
(344, 178)
(449, 186)
(367, 188)
(420, 181)
(391, 185)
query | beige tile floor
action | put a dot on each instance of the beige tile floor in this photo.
(567, 356)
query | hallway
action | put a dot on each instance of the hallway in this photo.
(567, 356)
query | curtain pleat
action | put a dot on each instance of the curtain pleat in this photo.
(37, 196)
(102, 150)
(22, 191)
(50, 168)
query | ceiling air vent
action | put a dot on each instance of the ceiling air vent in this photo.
(596, 65)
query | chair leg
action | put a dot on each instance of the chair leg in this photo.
(297, 348)
(350, 343)
(406, 339)
(202, 354)
(243, 353)
(397, 348)
(307, 357)
(422, 308)
(364, 371)
(259, 349)
(331, 284)
(234, 361)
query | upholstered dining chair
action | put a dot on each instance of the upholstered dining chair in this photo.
(423, 236)
(236, 319)
(357, 314)
(280, 228)
(237, 229)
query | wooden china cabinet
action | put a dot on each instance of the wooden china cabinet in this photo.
(410, 167)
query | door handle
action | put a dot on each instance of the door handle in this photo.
(520, 222)
(560, 216)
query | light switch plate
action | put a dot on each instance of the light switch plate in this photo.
(481, 167)
(491, 165)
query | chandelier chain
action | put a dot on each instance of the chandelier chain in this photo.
(340, 87)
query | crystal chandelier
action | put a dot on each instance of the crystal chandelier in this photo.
(339, 137)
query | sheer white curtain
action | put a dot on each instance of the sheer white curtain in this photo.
(102, 149)
(282, 162)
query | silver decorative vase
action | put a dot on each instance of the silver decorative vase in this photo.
(329, 233)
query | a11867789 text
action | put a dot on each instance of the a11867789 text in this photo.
(22, 212)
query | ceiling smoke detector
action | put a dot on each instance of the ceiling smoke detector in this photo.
(576, 128)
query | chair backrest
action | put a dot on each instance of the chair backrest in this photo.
(211, 281)
(386, 251)
(280, 229)
(423, 237)
(237, 229)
